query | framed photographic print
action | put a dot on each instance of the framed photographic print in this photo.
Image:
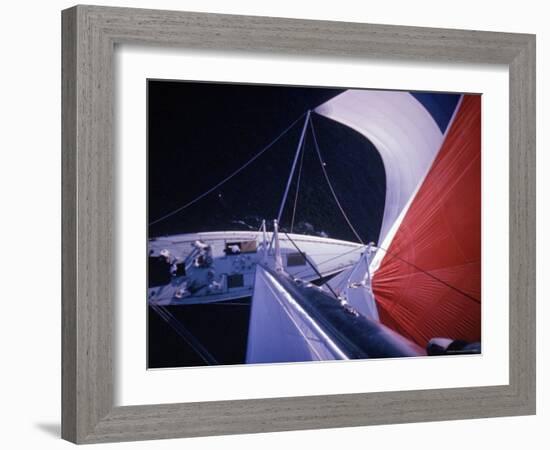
(305, 210)
(325, 279)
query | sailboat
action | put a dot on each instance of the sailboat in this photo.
(416, 292)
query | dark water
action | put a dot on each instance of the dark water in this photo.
(198, 133)
(221, 328)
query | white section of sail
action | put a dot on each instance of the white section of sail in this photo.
(403, 132)
(358, 290)
(281, 330)
(354, 284)
(340, 281)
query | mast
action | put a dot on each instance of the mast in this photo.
(264, 241)
(278, 257)
(293, 168)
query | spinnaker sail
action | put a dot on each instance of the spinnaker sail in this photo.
(429, 281)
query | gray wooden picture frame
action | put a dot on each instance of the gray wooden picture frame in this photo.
(89, 37)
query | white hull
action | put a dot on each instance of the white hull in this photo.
(329, 256)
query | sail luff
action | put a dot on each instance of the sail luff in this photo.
(379, 256)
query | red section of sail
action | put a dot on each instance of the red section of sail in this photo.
(429, 282)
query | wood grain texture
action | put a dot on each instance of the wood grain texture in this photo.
(68, 224)
(89, 36)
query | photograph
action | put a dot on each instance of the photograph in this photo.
(291, 224)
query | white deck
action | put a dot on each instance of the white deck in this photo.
(328, 255)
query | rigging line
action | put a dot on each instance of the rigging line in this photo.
(185, 334)
(335, 257)
(460, 291)
(373, 188)
(330, 184)
(298, 183)
(227, 178)
(311, 264)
